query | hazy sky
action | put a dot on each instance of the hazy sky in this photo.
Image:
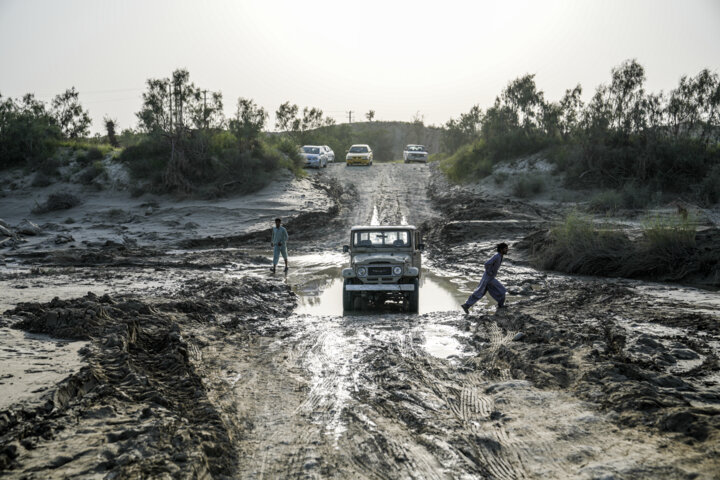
(398, 58)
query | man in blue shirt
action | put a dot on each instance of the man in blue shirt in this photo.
(489, 283)
(279, 244)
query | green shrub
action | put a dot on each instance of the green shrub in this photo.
(292, 158)
(50, 166)
(90, 173)
(669, 233)
(577, 245)
(667, 250)
(222, 141)
(79, 145)
(636, 196)
(528, 185)
(608, 201)
(578, 233)
(470, 162)
(147, 160)
(57, 201)
(709, 189)
(94, 153)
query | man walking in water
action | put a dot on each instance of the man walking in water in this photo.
(279, 244)
(489, 283)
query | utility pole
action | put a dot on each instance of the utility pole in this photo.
(205, 114)
(169, 89)
(350, 116)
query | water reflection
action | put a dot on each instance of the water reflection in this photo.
(324, 296)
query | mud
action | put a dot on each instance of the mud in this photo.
(192, 360)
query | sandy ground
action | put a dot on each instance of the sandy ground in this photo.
(189, 359)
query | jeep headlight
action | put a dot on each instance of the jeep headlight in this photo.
(362, 271)
(397, 270)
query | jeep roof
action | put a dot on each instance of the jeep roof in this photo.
(384, 227)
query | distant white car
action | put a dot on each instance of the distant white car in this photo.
(329, 154)
(415, 153)
(315, 156)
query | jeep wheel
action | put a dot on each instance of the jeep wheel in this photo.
(347, 297)
(414, 299)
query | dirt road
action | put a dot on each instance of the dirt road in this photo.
(266, 378)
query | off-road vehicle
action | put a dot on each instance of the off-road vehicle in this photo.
(385, 265)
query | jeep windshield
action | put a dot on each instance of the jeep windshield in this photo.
(415, 148)
(382, 238)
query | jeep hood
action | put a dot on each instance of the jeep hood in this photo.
(365, 258)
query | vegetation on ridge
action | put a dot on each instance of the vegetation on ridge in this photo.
(623, 138)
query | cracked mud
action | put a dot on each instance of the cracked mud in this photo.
(189, 359)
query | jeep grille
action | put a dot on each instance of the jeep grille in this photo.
(379, 271)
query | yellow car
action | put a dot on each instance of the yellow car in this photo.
(360, 154)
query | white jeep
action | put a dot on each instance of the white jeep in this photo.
(385, 265)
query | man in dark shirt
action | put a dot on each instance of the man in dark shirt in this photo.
(489, 283)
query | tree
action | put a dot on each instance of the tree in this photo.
(522, 98)
(172, 104)
(74, 122)
(110, 126)
(248, 123)
(370, 115)
(463, 130)
(571, 107)
(206, 113)
(176, 110)
(694, 106)
(561, 119)
(28, 132)
(286, 118)
(626, 97)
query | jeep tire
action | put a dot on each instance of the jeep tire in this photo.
(348, 300)
(414, 298)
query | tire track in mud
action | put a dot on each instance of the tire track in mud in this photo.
(398, 193)
(500, 457)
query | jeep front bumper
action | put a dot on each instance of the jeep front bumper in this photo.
(403, 287)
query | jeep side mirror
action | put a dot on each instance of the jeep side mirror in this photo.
(346, 248)
(421, 246)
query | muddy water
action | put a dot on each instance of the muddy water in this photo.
(322, 297)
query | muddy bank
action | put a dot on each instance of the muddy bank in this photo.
(689, 260)
(149, 221)
(303, 226)
(650, 367)
(140, 408)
